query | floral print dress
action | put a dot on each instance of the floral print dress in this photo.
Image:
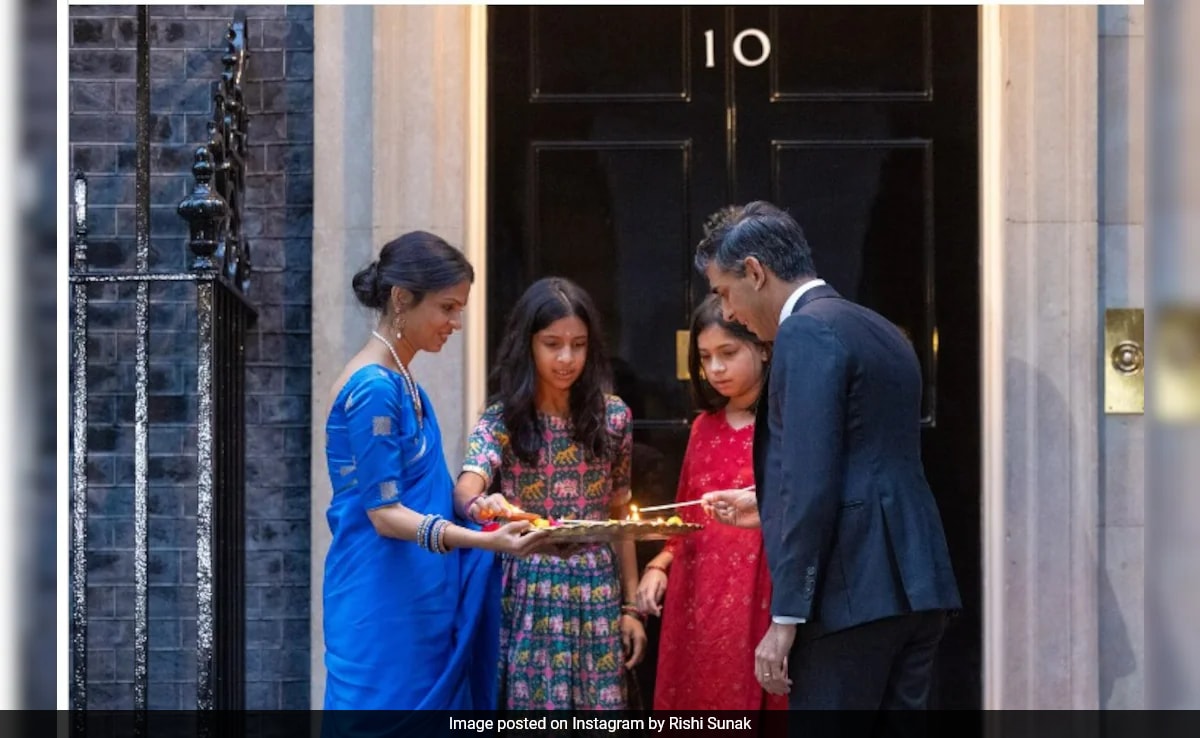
(560, 642)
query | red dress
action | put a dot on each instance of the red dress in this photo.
(718, 601)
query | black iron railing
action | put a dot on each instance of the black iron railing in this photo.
(221, 274)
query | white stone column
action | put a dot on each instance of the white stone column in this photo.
(1041, 331)
(396, 150)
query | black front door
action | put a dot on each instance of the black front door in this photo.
(615, 131)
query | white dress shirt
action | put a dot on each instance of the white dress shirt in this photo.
(788, 307)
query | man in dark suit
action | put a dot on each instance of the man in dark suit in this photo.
(861, 575)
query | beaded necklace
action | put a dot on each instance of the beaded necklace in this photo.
(408, 380)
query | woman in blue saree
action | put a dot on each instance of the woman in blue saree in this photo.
(412, 585)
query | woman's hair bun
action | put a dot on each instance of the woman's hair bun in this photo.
(418, 262)
(367, 287)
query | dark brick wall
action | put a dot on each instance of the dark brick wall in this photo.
(186, 47)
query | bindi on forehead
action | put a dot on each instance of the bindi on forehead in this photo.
(569, 328)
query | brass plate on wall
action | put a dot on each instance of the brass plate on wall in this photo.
(1175, 364)
(1124, 361)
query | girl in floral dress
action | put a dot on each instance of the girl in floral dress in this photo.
(556, 442)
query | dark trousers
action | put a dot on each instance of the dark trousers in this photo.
(885, 665)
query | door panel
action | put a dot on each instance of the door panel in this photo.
(589, 54)
(615, 131)
(844, 53)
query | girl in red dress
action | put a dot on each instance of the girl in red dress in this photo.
(711, 588)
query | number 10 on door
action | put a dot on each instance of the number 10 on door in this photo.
(738, 53)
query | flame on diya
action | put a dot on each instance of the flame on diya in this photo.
(635, 515)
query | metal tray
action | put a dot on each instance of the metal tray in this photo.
(608, 531)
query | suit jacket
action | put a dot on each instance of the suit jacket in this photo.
(850, 527)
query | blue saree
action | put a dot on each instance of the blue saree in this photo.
(405, 629)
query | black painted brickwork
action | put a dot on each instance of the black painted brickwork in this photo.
(186, 47)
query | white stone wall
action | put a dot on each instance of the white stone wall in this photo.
(1040, 273)
(1122, 87)
(391, 155)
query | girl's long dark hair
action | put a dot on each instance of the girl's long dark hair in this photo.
(708, 313)
(515, 375)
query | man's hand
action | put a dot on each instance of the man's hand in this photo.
(771, 658)
(736, 507)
